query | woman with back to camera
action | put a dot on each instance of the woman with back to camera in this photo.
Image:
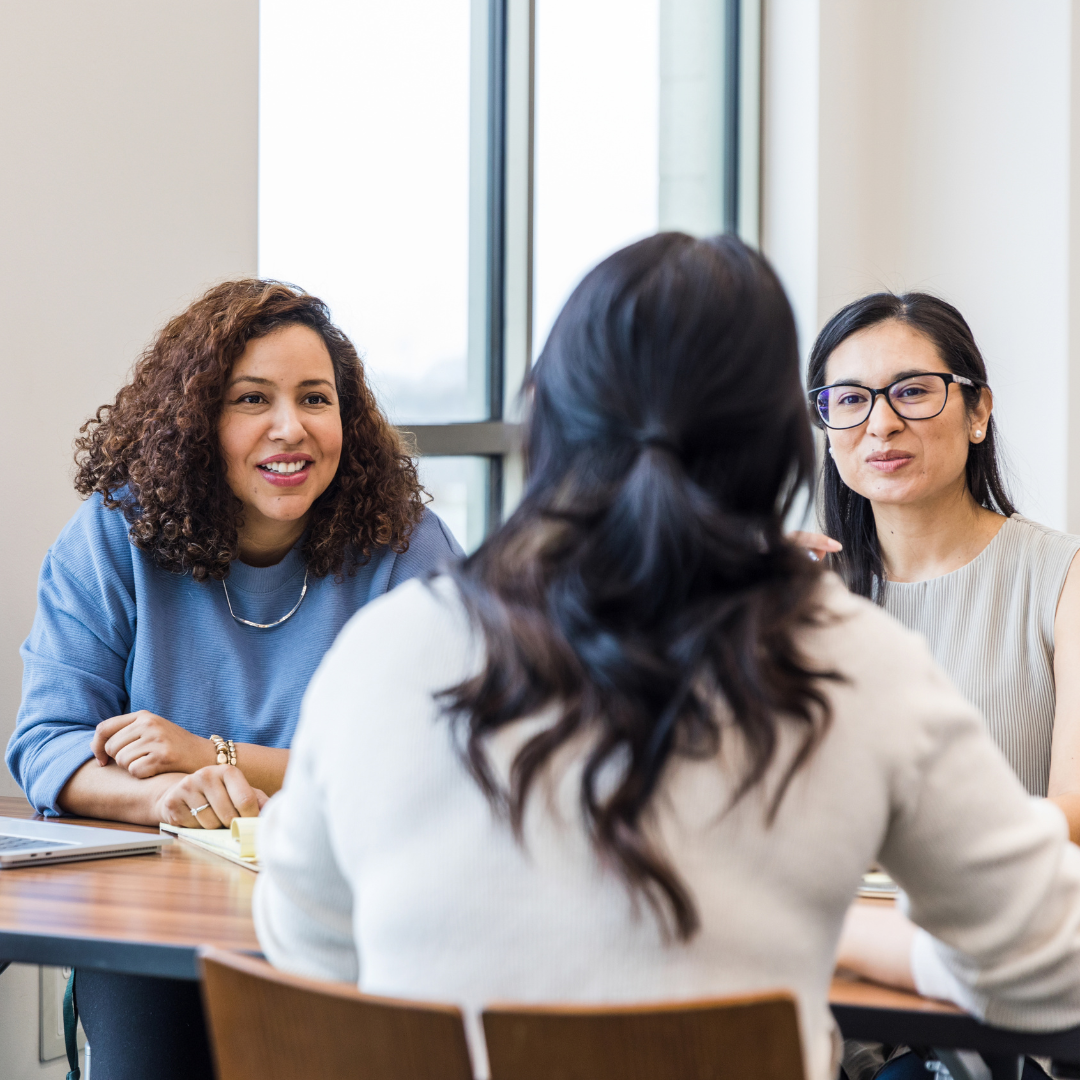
(913, 493)
(653, 747)
(245, 497)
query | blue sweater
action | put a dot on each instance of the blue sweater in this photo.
(114, 633)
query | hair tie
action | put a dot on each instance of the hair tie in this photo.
(659, 441)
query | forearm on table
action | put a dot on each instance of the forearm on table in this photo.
(262, 766)
(111, 793)
(876, 943)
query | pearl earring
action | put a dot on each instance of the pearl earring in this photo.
(831, 452)
(978, 434)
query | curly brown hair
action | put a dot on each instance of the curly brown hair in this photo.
(154, 452)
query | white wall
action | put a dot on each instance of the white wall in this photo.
(129, 184)
(927, 144)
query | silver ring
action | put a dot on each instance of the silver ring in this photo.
(199, 809)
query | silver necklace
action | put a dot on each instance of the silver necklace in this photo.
(265, 625)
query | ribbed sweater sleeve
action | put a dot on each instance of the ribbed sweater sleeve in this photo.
(73, 677)
(114, 633)
(1002, 939)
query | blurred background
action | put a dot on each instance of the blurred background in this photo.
(442, 172)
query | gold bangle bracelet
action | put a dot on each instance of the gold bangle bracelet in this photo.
(226, 751)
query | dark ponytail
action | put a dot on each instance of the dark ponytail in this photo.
(645, 579)
(846, 515)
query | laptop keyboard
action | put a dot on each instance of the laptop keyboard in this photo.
(20, 843)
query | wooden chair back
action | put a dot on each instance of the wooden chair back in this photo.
(720, 1039)
(268, 1025)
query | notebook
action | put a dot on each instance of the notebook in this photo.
(876, 884)
(238, 843)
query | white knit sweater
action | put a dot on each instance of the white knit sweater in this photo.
(384, 865)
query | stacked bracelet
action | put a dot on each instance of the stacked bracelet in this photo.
(226, 750)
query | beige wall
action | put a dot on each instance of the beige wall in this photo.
(927, 144)
(128, 131)
(129, 135)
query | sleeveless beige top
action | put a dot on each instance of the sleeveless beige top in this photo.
(990, 625)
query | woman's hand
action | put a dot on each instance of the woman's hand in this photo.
(219, 793)
(818, 544)
(146, 745)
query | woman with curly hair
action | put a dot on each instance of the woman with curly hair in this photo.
(245, 497)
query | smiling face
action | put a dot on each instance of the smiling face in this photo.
(890, 460)
(280, 432)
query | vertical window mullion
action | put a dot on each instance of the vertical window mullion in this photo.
(496, 207)
(749, 123)
(731, 111)
(495, 346)
(518, 227)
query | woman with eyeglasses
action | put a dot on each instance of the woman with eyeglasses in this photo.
(913, 494)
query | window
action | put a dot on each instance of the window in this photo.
(597, 98)
(364, 186)
(442, 173)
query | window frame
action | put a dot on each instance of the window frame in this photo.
(508, 70)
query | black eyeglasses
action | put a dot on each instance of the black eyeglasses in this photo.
(915, 397)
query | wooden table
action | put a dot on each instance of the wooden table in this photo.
(149, 914)
(139, 914)
(874, 1013)
(879, 1014)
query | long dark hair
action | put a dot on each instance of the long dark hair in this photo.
(848, 516)
(645, 574)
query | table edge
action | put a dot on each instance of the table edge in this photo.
(954, 1030)
(104, 954)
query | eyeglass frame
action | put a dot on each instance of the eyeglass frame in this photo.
(946, 377)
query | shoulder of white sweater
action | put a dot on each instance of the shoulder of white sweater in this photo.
(418, 609)
(419, 638)
(432, 607)
(850, 635)
(392, 658)
(413, 634)
(858, 633)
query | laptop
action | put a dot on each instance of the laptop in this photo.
(23, 843)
